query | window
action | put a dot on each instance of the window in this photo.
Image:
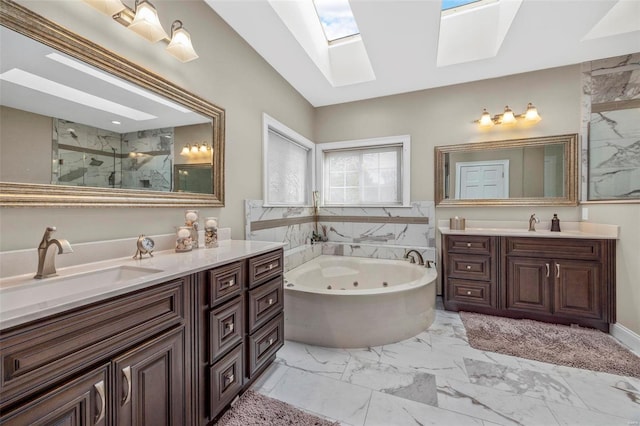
(288, 165)
(366, 172)
(336, 18)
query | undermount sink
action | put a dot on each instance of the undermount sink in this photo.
(20, 294)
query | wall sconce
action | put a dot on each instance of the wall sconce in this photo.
(189, 149)
(144, 22)
(508, 117)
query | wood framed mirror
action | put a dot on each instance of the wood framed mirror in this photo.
(99, 174)
(533, 171)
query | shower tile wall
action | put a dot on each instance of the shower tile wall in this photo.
(88, 156)
(83, 155)
(149, 161)
(612, 135)
(346, 238)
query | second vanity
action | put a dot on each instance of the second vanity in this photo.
(171, 339)
(560, 277)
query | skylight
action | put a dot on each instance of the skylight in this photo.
(336, 18)
(453, 6)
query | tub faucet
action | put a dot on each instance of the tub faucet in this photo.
(412, 259)
(532, 222)
(47, 253)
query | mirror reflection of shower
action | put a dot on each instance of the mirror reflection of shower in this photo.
(89, 156)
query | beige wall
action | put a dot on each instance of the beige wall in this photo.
(33, 134)
(444, 116)
(228, 73)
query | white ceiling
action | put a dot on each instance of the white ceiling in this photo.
(122, 101)
(401, 38)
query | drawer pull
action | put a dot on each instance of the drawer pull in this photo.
(468, 266)
(468, 244)
(547, 266)
(468, 293)
(557, 270)
(271, 266)
(126, 372)
(228, 379)
(270, 302)
(230, 283)
(103, 402)
(229, 326)
(271, 341)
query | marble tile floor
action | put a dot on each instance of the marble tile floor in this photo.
(436, 378)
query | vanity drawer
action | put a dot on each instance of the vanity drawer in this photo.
(472, 244)
(265, 301)
(469, 267)
(226, 328)
(225, 282)
(474, 292)
(264, 343)
(225, 379)
(558, 248)
(265, 267)
(35, 355)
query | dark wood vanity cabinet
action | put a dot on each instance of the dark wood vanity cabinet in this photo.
(470, 271)
(567, 281)
(239, 304)
(176, 353)
(116, 362)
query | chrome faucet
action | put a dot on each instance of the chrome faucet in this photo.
(532, 222)
(47, 253)
(410, 255)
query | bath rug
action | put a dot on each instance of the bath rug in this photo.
(254, 409)
(577, 347)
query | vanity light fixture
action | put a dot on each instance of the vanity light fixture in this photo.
(508, 117)
(189, 149)
(144, 21)
(180, 45)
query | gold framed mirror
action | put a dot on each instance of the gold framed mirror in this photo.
(23, 191)
(533, 171)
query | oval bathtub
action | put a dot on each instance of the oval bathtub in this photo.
(351, 302)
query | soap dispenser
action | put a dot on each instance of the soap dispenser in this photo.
(555, 223)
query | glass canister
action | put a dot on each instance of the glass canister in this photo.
(191, 219)
(183, 239)
(211, 232)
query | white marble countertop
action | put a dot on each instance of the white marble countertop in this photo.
(24, 299)
(521, 229)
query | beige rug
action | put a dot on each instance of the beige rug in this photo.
(254, 409)
(557, 344)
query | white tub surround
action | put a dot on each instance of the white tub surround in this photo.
(521, 229)
(23, 298)
(358, 310)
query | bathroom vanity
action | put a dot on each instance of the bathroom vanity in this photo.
(560, 277)
(174, 348)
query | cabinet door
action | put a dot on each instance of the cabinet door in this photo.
(81, 402)
(149, 382)
(577, 288)
(528, 284)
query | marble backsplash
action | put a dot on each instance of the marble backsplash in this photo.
(378, 232)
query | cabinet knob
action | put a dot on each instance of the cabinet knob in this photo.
(270, 341)
(228, 379)
(468, 293)
(232, 283)
(468, 244)
(270, 302)
(468, 266)
(271, 266)
(229, 326)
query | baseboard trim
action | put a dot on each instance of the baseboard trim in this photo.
(626, 336)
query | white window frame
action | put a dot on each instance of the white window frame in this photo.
(268, 123)
(404, 140)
